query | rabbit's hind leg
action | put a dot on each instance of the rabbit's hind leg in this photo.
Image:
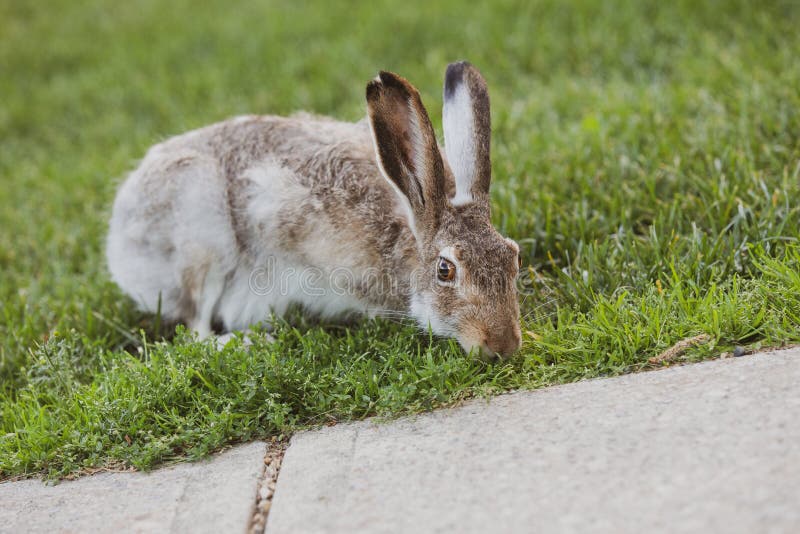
(202, 284)
(205, 239)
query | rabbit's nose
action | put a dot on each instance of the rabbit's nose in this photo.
(505, 343)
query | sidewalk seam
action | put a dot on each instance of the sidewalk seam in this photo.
(265, 488)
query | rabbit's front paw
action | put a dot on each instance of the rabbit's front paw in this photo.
(223, 340)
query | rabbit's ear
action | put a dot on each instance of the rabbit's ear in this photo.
(406, 146)
(467, 132)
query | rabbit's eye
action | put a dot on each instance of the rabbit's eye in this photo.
(446, 270)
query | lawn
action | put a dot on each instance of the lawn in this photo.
(646, 156)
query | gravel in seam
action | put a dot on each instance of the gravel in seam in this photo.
(266, 488)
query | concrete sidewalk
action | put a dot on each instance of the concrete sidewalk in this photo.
(214, 496)
(712, 447)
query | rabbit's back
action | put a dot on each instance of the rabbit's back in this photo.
(208, 210)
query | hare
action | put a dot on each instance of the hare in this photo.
(230, 223)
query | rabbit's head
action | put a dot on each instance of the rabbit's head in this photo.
(465, 286)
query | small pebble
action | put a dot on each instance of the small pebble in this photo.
(739, 351)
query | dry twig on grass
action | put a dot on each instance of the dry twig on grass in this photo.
(677, 350)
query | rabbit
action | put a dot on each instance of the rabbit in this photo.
(233, 222)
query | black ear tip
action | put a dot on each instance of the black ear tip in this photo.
(390, 79)
(454, 76)
(459, 65)
(374, 87)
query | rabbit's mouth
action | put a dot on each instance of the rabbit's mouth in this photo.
(484, 350)
(493, 346)
(501, 350)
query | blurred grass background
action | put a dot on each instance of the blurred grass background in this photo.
(646, 155)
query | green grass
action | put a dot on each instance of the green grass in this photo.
(646, 155)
